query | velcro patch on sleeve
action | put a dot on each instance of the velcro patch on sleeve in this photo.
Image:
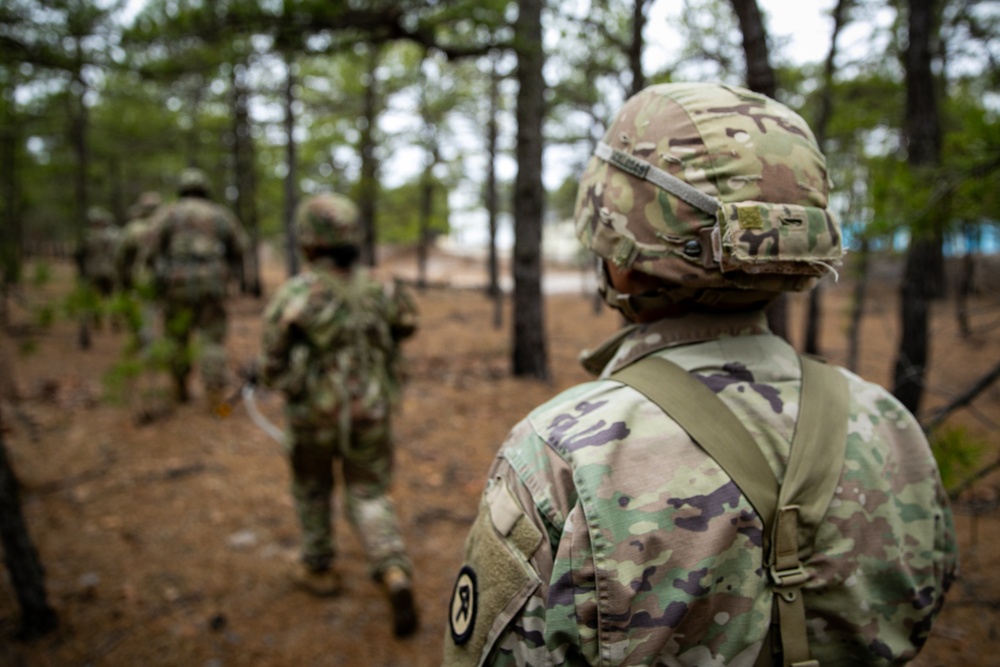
(496, 580)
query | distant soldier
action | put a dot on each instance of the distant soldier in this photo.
(197, 247)
(330, 344)
(132, 265)
(136, 242)
(97, 267)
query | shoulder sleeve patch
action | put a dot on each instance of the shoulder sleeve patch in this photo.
(496, 580)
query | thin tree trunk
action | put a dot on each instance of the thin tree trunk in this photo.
(26, 571)
(11, 230)
(760, 74)
(810, 341)
(636, 47)
(967, 282)
(923, 134)
(78, 139)
(530, 356)
(491, 195)
(426, 211)
(760, 78)
(246, 181)
(858, 304)
(291, 179)
(369, 162)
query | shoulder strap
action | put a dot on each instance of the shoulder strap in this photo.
(816, 459)
(711, 424)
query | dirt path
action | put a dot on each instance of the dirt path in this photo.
(165, 543)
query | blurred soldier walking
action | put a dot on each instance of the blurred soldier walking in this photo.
(331, 346)
(712, 498)
(97, 268)
(197, 248)
(132, 264)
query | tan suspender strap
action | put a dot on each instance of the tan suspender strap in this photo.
(817, 453)
(816, 459)
(711, 424)
(814, 465)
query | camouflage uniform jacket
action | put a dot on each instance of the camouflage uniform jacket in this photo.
(197, 247)
(330, 344)
(607, 537)
(99, 251)
(134, 252)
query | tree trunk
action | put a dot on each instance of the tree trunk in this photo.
(810, 341)
(529, 350)
(491, 195)
(760, 74)
(78, 139)
(426, 211)
(636, 47)
(911, 359)
(369, 162)
(761, 79)
(291, 180)
(967, 282)
(923, 134)
(11, 229)
(858, 304)
(26, 571)
(246, 181)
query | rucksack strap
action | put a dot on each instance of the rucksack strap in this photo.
(711, 424)
(815, 461)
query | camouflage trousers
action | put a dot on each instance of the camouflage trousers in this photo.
(208, 319)
(367, 474)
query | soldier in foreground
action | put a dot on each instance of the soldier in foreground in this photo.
(97, 268)
(330, 344)
(197, 248)
(712, 498)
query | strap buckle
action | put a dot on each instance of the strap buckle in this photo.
(787, 582)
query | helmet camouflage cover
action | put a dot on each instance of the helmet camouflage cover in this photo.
(99, 217)
(710, 187)
(192, 180)
(327, 221)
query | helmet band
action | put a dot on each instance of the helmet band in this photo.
(641, 169)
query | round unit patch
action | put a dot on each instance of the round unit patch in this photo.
(462, 615)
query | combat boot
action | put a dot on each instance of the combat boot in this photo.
(320, 583)
(400, 591)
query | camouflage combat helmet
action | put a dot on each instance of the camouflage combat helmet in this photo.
(192, 181)
(719, 191)
(98, 217)
(327, 221)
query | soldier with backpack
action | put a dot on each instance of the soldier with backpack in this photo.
(712, 498)
(331, 346)
(197, 247)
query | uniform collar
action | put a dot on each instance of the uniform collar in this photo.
(639, 340)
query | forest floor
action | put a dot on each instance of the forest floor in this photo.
(165, 541)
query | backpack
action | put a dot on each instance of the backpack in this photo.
(342, 364)
(193, 246)
(790, 510)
